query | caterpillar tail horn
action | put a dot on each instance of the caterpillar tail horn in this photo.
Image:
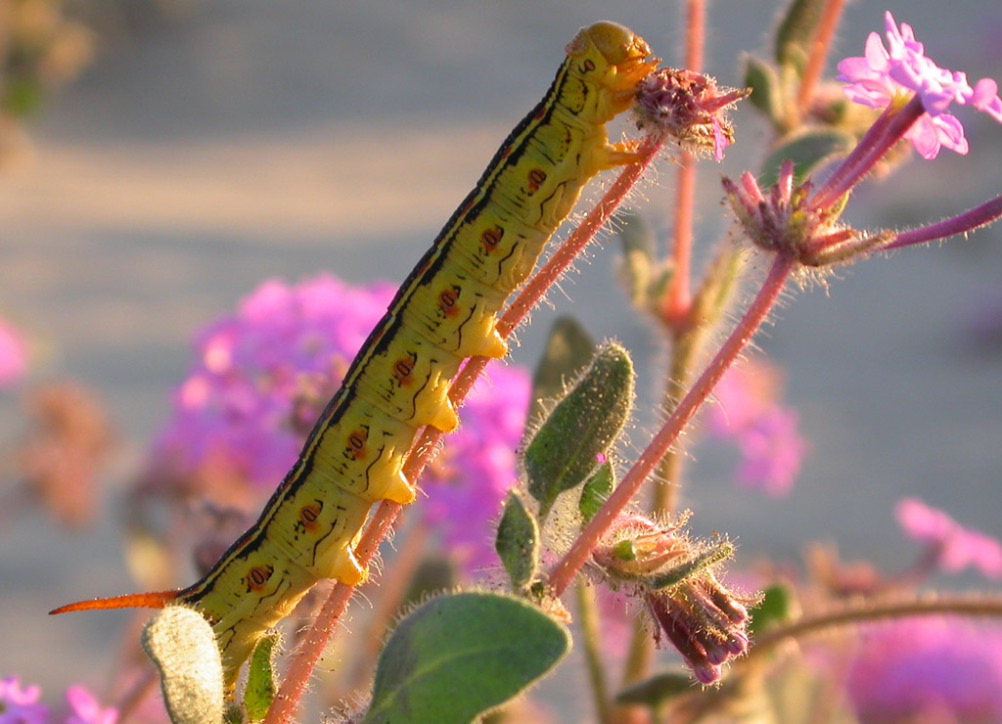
(157, 599)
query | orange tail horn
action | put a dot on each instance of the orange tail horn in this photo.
(158, 599)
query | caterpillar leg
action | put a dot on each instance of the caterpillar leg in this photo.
(613, 155)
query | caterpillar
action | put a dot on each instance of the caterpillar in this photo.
(444, 312)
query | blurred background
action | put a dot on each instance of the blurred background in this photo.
(204, 147)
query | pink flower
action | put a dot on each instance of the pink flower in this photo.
(235, 411)
(84, 708)
(262, 376)
(766, 434)
(19, 706)
(466, 486)
(13, 355)
(929, 670)
(954, 546)
(889, 76)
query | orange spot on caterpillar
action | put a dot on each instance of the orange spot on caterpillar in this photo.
(447, 301)
(491, 238)
(157, 599)
(258, 577)
(402, 370)
(356, 445)
(536, 178)
(309, 515)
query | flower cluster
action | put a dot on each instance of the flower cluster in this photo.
(673, 576)
(887, 77)
(19, 705)
(765, 432)
(262, 376)
(950, 545)
(688, 107)
(234, 413)
(932, 670)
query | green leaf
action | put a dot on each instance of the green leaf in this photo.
(596, 490)
(459, 656)
(796, 32)
(568, 351)
(654, 691)
(260, 690)
(807, 150)
(776, 607)
(517, 542)
(581, 428)
(183, 647)
(761, 78)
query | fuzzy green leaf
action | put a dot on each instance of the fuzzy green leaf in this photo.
(596, 490)
(761, 78)
(807, 151)
(183, 647)
(568, 351)
(459, 656)
(796, 32)
(581, 428)
(517, 542)
(657, 689)
(260, 690)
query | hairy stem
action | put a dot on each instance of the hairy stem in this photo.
(567, 568)
(857, 613)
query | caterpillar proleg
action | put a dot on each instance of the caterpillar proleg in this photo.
(444, 312)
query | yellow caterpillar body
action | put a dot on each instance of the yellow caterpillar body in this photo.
(444, 313)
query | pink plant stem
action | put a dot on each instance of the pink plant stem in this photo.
(989, 212)
(819, 52)
(680, 294)
(283, 708)
(567, 568)
(889, 128)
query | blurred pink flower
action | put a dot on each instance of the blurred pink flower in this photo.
(13, 354)
(241, 412)
(954, 547)
(766, 433)
(84, 708)
(20, 706)
(889, 76)
(928, 670)
(235, 410)
(467, 485)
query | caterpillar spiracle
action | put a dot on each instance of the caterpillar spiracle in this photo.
(444, 313)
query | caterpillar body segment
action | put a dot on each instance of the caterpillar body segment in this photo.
(443, 313)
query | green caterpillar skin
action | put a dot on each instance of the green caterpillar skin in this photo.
(444, 313)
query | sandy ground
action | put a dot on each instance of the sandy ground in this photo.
(249, 141)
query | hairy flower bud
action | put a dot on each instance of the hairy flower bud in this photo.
(674, 577)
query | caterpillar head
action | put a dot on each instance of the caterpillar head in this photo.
(612, 57)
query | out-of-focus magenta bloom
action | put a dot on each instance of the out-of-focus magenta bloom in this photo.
(765, 432)
(928, 670)
(954, 547)
(85, 709)
(467, 485)
(235, 409)
(13, 355)
(889, 76)
(20, 705)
